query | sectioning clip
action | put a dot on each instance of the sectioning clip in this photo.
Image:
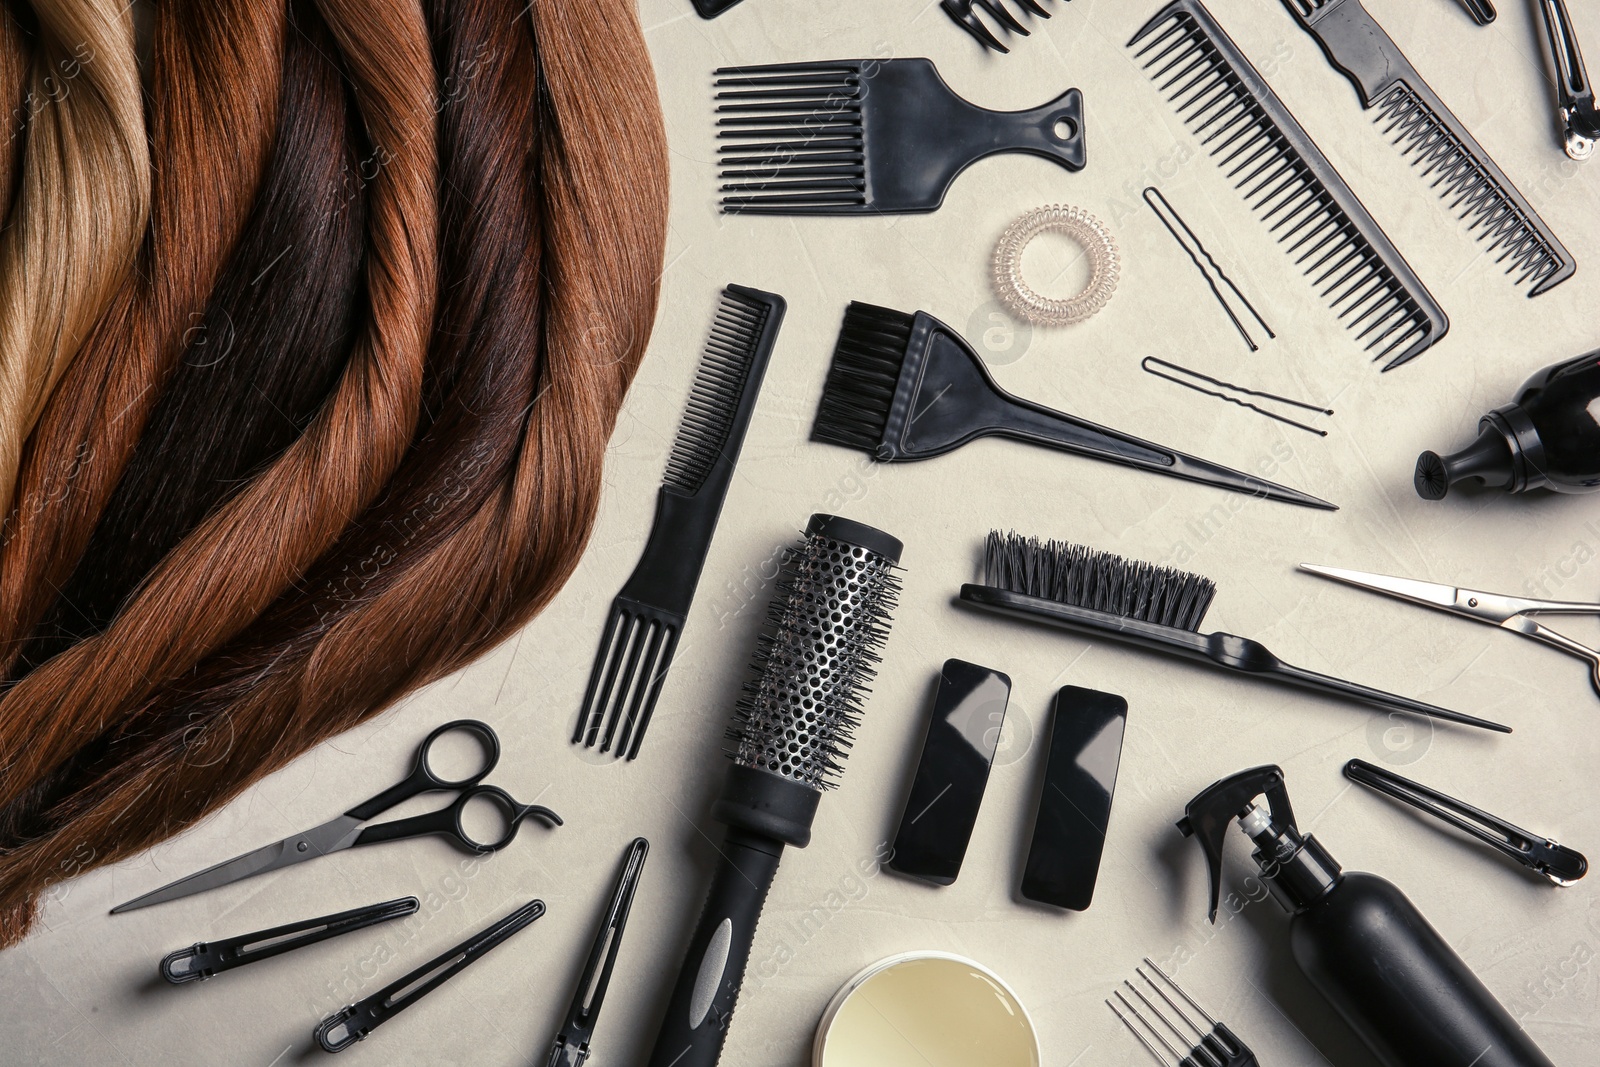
(572, 1043)
(351, 1024)
(206, 958)
(1560, 864)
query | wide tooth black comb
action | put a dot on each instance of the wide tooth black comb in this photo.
(964, 13)
(1290, 184)
(860, 136)
(1455, 165)
(1155, 608)
(648, 615)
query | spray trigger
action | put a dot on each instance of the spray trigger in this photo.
(1207, 816)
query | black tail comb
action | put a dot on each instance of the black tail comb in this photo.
(964, 13)
(648, 615)
(1291, 185)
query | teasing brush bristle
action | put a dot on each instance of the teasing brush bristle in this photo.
(1101, 581)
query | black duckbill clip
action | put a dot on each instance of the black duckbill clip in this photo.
(572, 1043)
(205, 959)
(1557, 862)
(351, 1024)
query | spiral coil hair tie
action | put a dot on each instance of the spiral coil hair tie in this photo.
(1105, 265)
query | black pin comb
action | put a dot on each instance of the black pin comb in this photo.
(827, 623)
(1206, 1043)
(647, 616)
(867, 136)
(964, 13)
(1291, 185)
(906, 387)
(1429, 134)
(1156, 608)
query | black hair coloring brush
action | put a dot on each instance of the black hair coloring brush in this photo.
(905, 387)
(1157, 608)
(827, 622)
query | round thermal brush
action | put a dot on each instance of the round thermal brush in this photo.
(825, 627)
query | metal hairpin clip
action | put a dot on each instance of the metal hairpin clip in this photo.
(1580, 115)
(206, 958)
(572, 1043)
(1560, 864)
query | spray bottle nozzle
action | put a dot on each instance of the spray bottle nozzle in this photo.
(1297, 868)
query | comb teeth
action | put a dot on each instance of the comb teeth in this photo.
(718, 385)
(1100, 581)
(863, 377)
(962, 13)
(1289, 189)
(625, 682)
(793, 139)
(826, 625)
(1152, 1015)
(1459, 179)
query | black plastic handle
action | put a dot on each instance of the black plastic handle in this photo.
(702, 1003)
(422, 778)
(1356, 46)
(449, 822)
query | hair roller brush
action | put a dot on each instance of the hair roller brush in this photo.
(827, 622)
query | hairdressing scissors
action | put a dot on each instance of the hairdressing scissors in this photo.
(347, 830)
(1497, 609)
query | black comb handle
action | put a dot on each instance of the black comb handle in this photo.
(920, 134)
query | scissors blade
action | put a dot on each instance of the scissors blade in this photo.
(1428, 594)
(329, 837)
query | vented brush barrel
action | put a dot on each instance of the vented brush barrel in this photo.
(826, 624)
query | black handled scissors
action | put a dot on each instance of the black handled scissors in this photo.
(347, 831)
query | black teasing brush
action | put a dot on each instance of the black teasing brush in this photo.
(1155, 608)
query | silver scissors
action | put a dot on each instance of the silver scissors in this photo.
(347, 830)
(1496, 609)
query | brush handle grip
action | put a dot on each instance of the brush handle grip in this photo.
(701, 1008)
(1024, 420)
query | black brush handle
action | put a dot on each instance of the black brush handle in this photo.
(710, 9)
(701, 1009)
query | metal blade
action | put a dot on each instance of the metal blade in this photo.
(329, 837)
(1428, 594)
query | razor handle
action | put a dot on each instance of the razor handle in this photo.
(764, 813)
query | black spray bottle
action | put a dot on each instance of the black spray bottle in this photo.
(1547, 438)
(1363, 945)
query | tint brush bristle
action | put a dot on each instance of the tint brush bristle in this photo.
(724, 368)
(861, 382)
(1100, 581)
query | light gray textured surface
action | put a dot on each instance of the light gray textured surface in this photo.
(84, 988)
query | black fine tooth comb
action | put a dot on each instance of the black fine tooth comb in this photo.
(1426, 131)
(1291, 185)
(648, 615)
(1155, 608)
(964, 13)
(867, 136)
(907, 387)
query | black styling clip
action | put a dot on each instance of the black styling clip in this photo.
(572, 1043)
(351, 1024)
(1560, 864)
(206, 958)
